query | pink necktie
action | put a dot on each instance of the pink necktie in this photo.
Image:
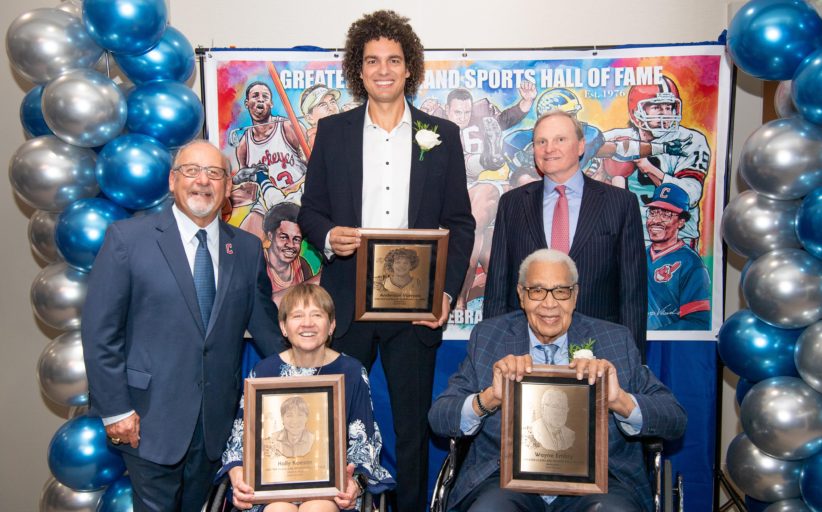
(559, 226)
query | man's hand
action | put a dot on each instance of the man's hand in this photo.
(346, 500)
(618, 399)
(446, 310)
(344, 241)
(677, 147)
(511, 368)
(126, 430)
(243, 493)
(527, 91)
(248, 173)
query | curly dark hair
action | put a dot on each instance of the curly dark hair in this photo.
(390, 25)
(393, 254)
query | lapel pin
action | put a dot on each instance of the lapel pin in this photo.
(229, 249)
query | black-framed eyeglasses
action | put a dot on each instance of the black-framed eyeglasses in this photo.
(539, 293)
(194, 170)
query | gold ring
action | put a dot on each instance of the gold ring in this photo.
(115, 440)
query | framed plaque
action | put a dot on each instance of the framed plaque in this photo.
(294, 441)
(554, 433)
(401, 274)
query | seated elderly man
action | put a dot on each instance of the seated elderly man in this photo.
(506, 347)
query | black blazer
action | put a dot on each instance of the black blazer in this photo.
(333, 197)
(608, 249)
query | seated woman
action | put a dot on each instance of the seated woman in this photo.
(307, 321)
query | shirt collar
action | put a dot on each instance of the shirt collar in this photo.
(561, 342)
(405, 119)
(188, 229)
(572, 186)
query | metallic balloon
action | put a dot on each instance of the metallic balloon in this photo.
(753, 224)
(118, 496)
(784, 288)
(61, 371)
(31, 114)
(44, 43)
(160, 207)
(133, 171)
(57, 497)
(171, 59)
(759, 475)
(782, 101)
(808, 222)
(794, 505)
(84, 108)
(81, 229)
(805, 88)
(782, 159)
(79, 457)
(755, 350)
(808, 356)
(166, 110)
(49, 174)
(810, 482)
(754, 505)
(57, 296)
(80, 410)
(41, 236)
(130, 27)
(769, 38)
(73, 8)
(742, 388)
(783, 417)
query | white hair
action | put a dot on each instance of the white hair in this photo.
(548, 256)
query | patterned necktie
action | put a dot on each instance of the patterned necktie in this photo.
(204, 278)
(559, 226)
(550, 350)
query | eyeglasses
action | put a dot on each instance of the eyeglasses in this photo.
(194, 170)
(538, 293)
(658, 213)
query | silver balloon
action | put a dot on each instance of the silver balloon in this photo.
(57, 497)
(73, 8)
(80, 410)
(783, 417)
(753, 224)
(61, 371)
(44, 43)
(782, 101)
(783, 158)
(84, 108)
(795, 505)
(808, 356)
(41, 236)
(761, 476)
(57, 296)
(784, 288)
(49, 174)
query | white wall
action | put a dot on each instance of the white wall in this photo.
(28, 421)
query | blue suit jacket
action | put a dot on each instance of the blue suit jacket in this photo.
(438, 197)
(494, 338)
(608, 249)
(144, 342)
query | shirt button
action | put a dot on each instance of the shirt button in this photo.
(387, 188)
(386, 163)
(386, 140)
(387, 212)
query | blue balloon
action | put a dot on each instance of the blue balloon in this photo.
(79, 457)
(132, 171)
(125, 26)
(769, 38)
(171, 59)
(742, 388)
(166, 110)
(81, 228)
(805, 88)
(755, 350)
(160, 207)
(810, 483)
(118, 497)
(31, 113)
(809, 222)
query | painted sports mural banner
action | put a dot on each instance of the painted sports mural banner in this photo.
(655, 119)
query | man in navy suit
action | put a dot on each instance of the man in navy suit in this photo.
(604, 224)
(373, 167)
(507, 346)
(163, 367)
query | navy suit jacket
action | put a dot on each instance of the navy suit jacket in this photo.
(494, 338)
(608, 249)
(144, 342)
(438, 197)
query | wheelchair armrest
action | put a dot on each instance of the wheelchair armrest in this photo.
(457, 450)
(216, 497)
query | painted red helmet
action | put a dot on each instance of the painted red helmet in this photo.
(658, 121)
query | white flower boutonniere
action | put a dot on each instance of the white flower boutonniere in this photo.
(427, 138)
(583, 351)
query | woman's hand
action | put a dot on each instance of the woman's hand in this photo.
(243, 492)
(348, 499)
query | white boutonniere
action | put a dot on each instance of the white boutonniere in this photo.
(427, 137)
(583, 351)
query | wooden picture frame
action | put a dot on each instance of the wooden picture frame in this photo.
(277, 466)
(416, 294)
(554, 433)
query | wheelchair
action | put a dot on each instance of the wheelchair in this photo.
(668, 491)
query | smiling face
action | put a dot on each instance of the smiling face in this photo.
(383, 71)
(557, 148)
(259, 103)
(307, 327)
(401, 266)
(548, 318)
(663, 225)
(294, 422)
(200, 198)
(285, 242)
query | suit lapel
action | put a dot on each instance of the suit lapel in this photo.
(418, 171)
(226, 263)
(533, 212)
(172, 249)
(589, 215)
(353, 142)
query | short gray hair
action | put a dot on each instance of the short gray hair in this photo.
(548, 256)
(561, 113)
(202, 142)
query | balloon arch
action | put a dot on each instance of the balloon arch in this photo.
(81, 171)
